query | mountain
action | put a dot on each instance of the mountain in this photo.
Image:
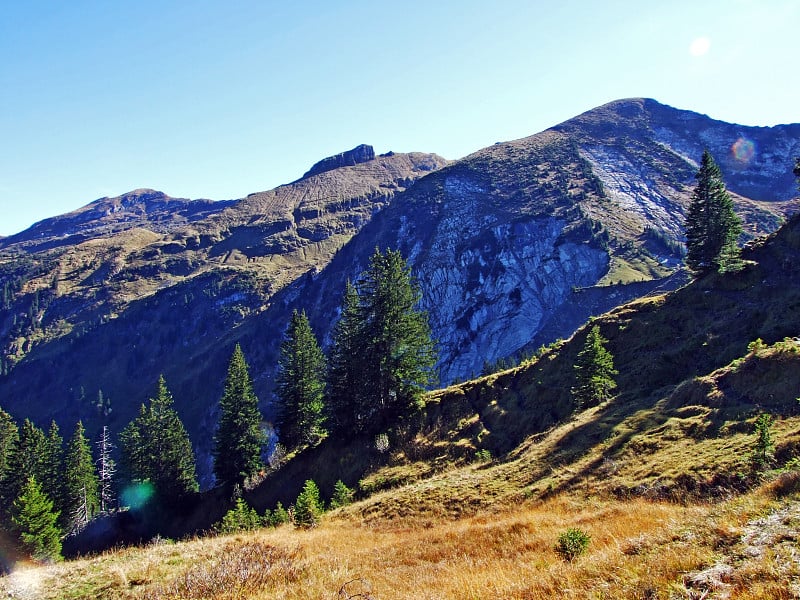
(517, 244)
(514, 246)
(96, 301)
(696, 365)
(103, 218)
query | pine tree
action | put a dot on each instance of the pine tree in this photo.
(156, 448)
(386, 352)
(35, 520)
(345, 372)
(239, 438)
(712, 227)
(301, 384)
(27, 460)
(342, 495)
(308, 506)
(53, 467)
(9, 435)
(764, 447)
(106, 469)
(80, 484)
(594, 371)
(242, 517)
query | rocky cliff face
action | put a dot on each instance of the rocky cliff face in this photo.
(360, 154)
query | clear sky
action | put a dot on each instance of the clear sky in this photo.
(218, 99)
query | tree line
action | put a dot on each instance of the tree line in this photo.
(380, 361)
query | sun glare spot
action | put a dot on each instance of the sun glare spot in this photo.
(743, 150)
(700, 46)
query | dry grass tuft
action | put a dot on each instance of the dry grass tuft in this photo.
(240, 571)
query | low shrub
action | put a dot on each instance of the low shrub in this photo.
(572, 543)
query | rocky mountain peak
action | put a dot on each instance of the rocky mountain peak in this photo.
(360, 154)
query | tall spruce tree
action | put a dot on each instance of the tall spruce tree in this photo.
(712, 227)
(594, 371)
(53, 466)
(345, 372)
(28, 459)
(239, 438)
(399, 351)
(9, 434)
(81, 496)
(387, 341)
(301, 384)
(156, 448)
(35, 520)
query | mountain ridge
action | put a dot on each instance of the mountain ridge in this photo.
(515, 245)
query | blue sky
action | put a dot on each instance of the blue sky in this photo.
(220, 99)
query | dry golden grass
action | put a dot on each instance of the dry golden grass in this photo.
(638, 549)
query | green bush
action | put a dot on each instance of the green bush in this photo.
(278, 516)
(241, 517)
(572, 543)
(483, 456)
(342, 495)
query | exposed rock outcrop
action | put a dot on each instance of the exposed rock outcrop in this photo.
(360, 154)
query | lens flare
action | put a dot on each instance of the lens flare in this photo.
(743, 150)
(136, 495)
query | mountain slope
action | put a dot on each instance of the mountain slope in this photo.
(514, 246)
(133, 297)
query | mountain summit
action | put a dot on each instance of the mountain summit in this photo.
(360, 154)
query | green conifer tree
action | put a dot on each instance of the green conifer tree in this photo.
(242, 517)
(594, 371)
(9, 435)
(239, 438)
(342, 495)
(345, 372)
(389, 344)
(50, 479)
(80, 483)
(401, 352)
(301, 384)
(764, 447)
(34, 519)
(156, 448)
(308, 506)
(278, 516)
(712, 227)
(27, 460)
